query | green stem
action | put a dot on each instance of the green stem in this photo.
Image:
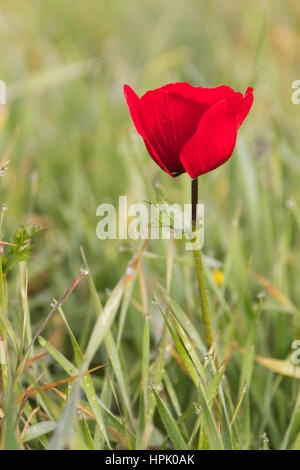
(203, 291)
(200, 271)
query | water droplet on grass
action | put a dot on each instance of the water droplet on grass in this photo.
(3, 169)
(129, 271)
(261, 295)
(196, 409)
(289, 203)
(84, 270)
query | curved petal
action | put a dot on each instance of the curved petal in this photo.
(210, 96)
(215, 138)
(243, 106)
(166, 121)
(133, 102)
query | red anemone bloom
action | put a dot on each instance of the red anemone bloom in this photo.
(187, 128)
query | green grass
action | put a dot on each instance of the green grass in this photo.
(71, 144)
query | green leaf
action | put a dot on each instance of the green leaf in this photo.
(104, 322)
(143, 398)
(63, 433)
(117, 368)
(170, 424)
(110, 345)
(214, 383)
(210, 425)
(87, 383)
(183, 319)
(280, 366)
(248, 360)
(182, 352)
(37, 430)
(293, 426)
(21, 251)
(58, 357)
(190, 349)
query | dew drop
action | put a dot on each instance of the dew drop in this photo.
(196, 409)
(289, 203)
(84, 270)
(129, 271)
(3, 169)
(261, 295)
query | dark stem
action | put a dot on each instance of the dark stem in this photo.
(194, 199)
(199, 269)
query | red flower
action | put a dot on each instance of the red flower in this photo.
(187, 128)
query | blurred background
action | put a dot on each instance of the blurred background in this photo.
(71, 144)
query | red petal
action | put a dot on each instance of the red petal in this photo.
(166, 121)
(210, 96)
(215, 138)
(133, 102)
(242, 108)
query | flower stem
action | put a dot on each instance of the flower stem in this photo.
(199, 270)
(203, 293)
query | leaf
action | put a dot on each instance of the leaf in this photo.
(87, 434)
(293, 426)
(117, 368)
(183, 354)
(143, 398)
(32, 391)
(21, 248)
(87, 383)
(249, 356)
(110, 345)
(104, 322)
(170, 424)
(215, 382)
(58, 357)
(172, 394)
(183, 319)
(156, 372)
(63, 433)
(296, 445)
(190, 349)
(274, 292)
(210, 425)
(283, 367)
(38, 430)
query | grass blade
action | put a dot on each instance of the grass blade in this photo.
(169, 423)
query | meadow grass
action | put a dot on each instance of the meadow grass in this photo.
(131, 310)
